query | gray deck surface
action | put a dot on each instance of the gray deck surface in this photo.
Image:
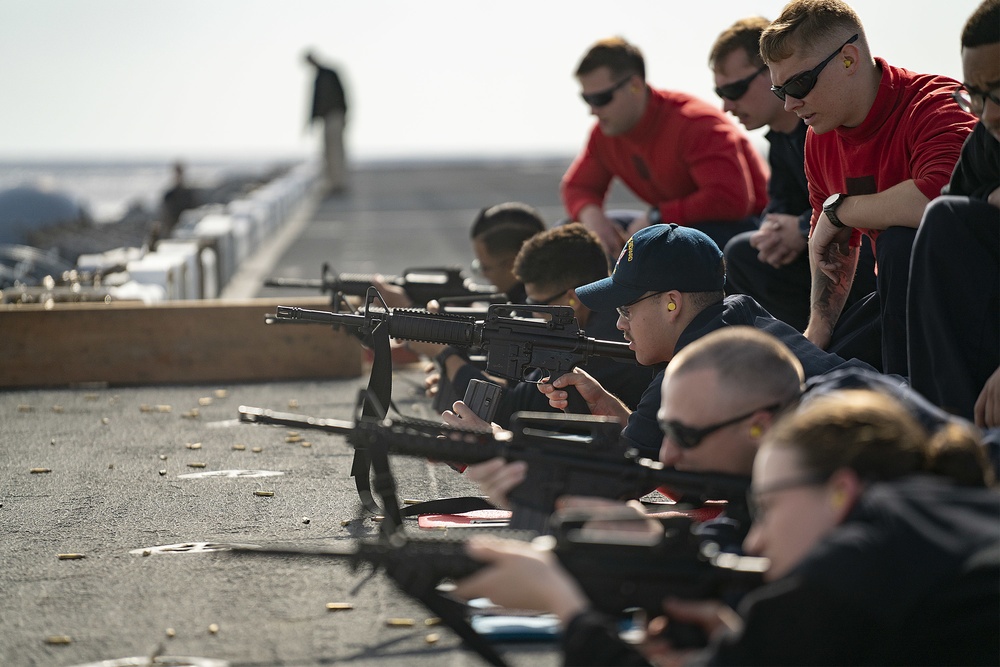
(105, 496)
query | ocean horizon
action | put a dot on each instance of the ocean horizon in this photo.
(107, 187)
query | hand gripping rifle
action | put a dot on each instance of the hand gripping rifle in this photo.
(619, 572)
(513, 346)
(566, 455)
(443, 284)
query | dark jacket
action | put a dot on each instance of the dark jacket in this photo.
(328, 94)
(912, 577)
(642, 431)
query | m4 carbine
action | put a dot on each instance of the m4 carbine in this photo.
(513, 346)
(447, 284)
(618, 571)
(566, 455)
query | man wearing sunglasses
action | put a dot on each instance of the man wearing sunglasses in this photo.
(954, 299)
(882, 142)
(771, 263)
(678, 154)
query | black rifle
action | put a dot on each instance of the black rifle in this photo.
(566, 455)
(619, 572)
(514, 346)
(421, 285)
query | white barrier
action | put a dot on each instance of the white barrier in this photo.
(190, 253)
(166, 270)
(209, 243)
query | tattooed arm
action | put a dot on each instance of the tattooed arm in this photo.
(832, 262)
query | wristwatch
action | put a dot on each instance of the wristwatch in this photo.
(830, 207)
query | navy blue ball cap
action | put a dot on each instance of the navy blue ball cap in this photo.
(658, 258)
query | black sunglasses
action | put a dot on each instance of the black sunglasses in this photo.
(605, 96)
(689, 437)
(802, 84)
(737, 89)
(544, 302)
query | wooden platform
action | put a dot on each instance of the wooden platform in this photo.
(128, 343)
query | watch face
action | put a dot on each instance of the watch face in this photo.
(832, 200)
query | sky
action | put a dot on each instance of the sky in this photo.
(204, 79)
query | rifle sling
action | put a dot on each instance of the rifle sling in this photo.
(448, 506)
(379, 386)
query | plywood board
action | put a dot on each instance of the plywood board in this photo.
(127, 343)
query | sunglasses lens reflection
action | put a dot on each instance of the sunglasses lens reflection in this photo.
(598, 99)
(732, 91)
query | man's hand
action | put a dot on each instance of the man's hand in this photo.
(521, 576)
(496, 478)
(829, 248)
(779, 241)
(462, 416)
(598, 399)
(709, 615)
(612, 236)
(432, 382)
(393, 295)
(819, 334)
(612, 515)
(987, 409)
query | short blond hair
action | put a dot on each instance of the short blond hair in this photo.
(747, 361)
(807, 26)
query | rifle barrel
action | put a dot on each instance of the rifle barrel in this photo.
(259, 416)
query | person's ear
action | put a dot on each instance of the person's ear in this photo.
(674, 301)
(850, 56)
(761, 423)
(845, 488)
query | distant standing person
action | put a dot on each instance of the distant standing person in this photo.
(179, 198)
(330, 104)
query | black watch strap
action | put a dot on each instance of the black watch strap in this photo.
(830, 207)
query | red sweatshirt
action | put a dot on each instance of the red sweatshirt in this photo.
(684, 156)
(914, 130)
